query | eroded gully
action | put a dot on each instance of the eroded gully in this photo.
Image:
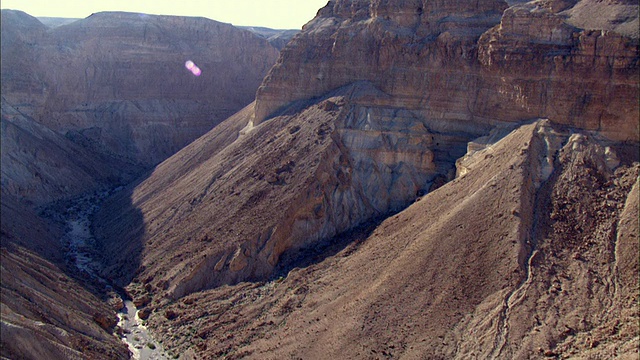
(79, 244)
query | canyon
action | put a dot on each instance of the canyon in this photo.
(87, 105)
(413, 179)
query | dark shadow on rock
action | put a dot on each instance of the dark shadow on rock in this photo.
(346, 243)
(118, 218)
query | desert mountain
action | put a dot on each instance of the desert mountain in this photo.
(532, 253)
(265, 238)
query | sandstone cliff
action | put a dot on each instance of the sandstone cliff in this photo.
(574, 62)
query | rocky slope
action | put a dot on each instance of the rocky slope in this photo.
(574, 62)
(40, 165)
(532, 253)
(310, 175)
(531, 250)
(116, 83)
(47, 313)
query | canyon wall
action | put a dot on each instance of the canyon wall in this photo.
(530, 254)
(116, 83)
(574, 62)
(370, 108)
(367, 109)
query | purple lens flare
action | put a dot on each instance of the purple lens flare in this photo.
(191, 66)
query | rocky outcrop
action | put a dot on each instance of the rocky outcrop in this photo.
(116, 82)
(325, 168)
(471, 61)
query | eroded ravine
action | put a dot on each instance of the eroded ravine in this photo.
(79, 244)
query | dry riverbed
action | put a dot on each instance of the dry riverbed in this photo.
(81, 254)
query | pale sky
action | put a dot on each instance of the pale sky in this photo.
(277, 14)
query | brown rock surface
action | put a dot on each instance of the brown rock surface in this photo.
(88, 105)
(265, 237)
(366, 110)
(472, 61)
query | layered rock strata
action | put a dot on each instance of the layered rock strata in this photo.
(116, 83)
(472, 61)
(438, 74)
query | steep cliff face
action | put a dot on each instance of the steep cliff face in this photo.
(472, 61)
(545, 66)
(438, 74)
(117, 84)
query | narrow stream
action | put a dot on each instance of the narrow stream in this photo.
(136, 335)
(81, 253)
